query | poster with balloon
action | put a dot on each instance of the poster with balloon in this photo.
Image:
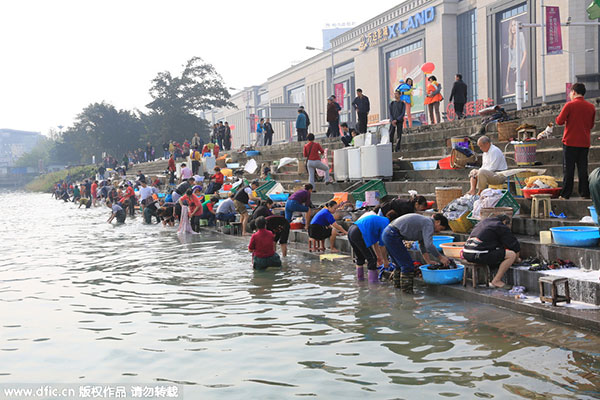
(406, 63)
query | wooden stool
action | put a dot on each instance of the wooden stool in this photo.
(536, 199)
(236, 228)
(316, 245)
(554, 281)
(471, 272)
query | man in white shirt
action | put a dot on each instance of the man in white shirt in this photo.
(145, 192)
(493, 162)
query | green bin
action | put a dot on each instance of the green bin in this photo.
(262, 190)
(371, 186)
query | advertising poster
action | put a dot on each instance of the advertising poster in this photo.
(553, 31)
(508, 56)
(408, 65)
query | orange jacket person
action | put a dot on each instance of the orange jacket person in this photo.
(433, 99)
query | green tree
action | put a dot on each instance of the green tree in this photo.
(178, 101)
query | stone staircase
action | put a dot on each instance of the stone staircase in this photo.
(432, 143)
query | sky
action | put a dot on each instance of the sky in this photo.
(59, 56)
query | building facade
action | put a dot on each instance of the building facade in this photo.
(474, 38)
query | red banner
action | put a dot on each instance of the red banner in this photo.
(339, 94)
(553, 31)
(472, 108)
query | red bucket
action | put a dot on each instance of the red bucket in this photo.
(445, 163)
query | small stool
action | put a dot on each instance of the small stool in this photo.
(536, 199)
(554, 281)
(471, 272)
(316, 245)
(236, 228)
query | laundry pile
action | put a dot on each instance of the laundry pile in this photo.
(541, 182)
(456, 208)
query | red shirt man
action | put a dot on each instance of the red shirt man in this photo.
(94, 190)
(578, 116)
(129, 192)
(262, 244)
(172, 166)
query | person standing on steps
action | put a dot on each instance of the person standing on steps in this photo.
(260, 138)
(459, 95)
(407, 98)
(362, 106)
(227, 138)
(579, 117)
(433, 99)
(397, 112)
(313, 152)
(196, 143)
(307, 119)
(268, 132)
(333, 117)
(301, 127)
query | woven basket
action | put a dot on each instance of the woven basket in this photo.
(495, 211)
(507, 130)
(444, 195)
(459, 160)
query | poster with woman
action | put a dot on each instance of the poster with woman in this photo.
(509, 60)
(406, 63)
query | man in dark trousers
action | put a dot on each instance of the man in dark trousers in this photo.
(459, 95)
(493, 243)
(268, 128)
(362, 106)
(397, 111)
(333, 117)
(307, 118)
(578, 116)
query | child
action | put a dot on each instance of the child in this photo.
(262, 246)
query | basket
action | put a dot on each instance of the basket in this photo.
(520, 182)
(461, 225)
(459, 160)
(374, 185)
(525, 153)
(444, 195)
(506, 201)
(264, 189)
(507, 130)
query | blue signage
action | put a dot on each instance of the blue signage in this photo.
(397, 29)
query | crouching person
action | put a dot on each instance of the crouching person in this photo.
(412, 227)
(262, 247)
(492, 243)
(365, 238)
(117, 212)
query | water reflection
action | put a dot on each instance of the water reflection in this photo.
(84, 301)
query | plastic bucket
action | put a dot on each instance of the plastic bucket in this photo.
(525, 153)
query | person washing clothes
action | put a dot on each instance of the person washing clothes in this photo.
(262, 246)
(492, 243)
(365, 238)
(412, 227)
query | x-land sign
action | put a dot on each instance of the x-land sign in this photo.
(397, 29)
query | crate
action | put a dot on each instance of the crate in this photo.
(461, 225)
(264, 189)
(507, 200)
(243, 185)
(374, 185)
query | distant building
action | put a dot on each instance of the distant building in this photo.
(14, 143)
(330, 33)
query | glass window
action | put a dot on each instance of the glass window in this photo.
(297, 95)
(467, 51)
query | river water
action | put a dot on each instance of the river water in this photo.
(84, 301)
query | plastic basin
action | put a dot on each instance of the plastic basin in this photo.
(442, 276)
(279, 196)
(437, 242)
(554, 192)
(453, 250)
(424, 165)
(576, 236)
(251, 153)
(594, 214)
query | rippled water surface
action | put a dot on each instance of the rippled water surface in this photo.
(84, 301)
